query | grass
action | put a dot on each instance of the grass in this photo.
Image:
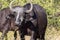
(11, 37)
(51, 34)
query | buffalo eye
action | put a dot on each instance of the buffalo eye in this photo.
(14, 12)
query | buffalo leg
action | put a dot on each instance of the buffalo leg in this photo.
(42, 36)
(5, 31)
(4, 34)
(32, 36)
(15, 35)
(35, 36)
(21, 35)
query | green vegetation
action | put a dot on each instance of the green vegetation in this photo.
(52, 8)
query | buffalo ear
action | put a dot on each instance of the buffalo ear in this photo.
(28, 7)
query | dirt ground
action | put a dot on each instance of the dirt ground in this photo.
(51, 34)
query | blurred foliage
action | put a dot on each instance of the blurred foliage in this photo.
(52, 8)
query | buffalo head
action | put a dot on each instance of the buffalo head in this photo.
(19, 12)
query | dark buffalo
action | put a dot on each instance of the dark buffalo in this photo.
(33, 17)
(7, 22)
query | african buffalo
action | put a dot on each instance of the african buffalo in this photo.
(31, 16)
(7, 22)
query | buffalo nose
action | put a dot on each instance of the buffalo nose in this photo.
(16, 22)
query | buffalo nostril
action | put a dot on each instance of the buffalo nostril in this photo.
(19, 20)
(16, 25)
